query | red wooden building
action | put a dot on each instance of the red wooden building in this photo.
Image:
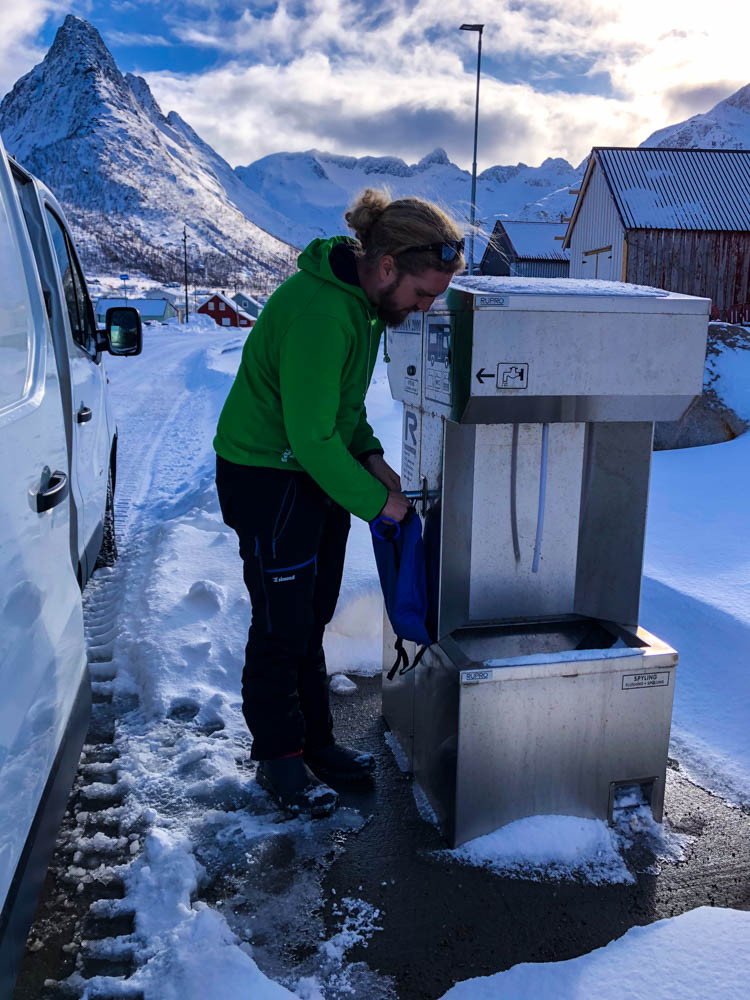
(224, 311)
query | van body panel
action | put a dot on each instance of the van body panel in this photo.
(42, 647)
(20, 903)
(82, 373)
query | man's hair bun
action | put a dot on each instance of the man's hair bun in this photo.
(362, 215)
(403, 228)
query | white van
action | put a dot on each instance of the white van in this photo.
(57, 471)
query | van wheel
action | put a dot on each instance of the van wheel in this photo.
(108, 551)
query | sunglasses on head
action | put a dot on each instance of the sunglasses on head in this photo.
(448, 249)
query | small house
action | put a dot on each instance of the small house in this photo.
(224, 311)
(677, 219)
(248, 304)
(152, 310)
(528, 249)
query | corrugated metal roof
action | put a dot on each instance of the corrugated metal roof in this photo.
(536, 240)
(653, 188)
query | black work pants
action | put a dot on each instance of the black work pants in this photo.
(292, 542)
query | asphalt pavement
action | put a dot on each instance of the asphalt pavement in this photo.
(443, 922)
(440, 922)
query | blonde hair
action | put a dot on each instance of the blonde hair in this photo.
(383, 226)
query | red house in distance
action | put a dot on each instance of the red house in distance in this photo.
(225, 312)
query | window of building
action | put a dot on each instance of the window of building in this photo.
(225, 321)
(221, 307)
(211, 306)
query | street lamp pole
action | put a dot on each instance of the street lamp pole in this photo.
(184, 247)
(479, 29)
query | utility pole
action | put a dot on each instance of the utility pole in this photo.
(184, 245)
(478, 28)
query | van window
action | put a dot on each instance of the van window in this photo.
(16, 328)
(79, 307)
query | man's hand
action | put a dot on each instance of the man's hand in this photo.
(377, 466)
(396, 506)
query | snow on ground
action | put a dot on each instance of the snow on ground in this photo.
(699, 955)
(696, 591)
(569, 847)
(210, 837)
(207, 841)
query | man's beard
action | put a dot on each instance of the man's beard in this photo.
(387, 311)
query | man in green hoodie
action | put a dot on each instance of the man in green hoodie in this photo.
(296, 456)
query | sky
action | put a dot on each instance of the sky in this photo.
(398, 77)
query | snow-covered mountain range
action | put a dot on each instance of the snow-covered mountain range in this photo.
(130, 177)
(314, 188)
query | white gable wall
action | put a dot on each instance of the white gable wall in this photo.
(598, 225)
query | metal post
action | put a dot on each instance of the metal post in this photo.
(184, 244)
(478, 28)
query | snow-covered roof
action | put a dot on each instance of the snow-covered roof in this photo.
(248, 298)
(653, 188)
(232, 305)
(146, 307)
(160, 293)
(534, 240)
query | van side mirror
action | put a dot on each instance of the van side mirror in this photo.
(123, 331)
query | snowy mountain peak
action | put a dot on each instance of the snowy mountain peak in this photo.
(725, 126)
(739, 100)
(556, 165)
(82, 46)
(129, 177)
(437, 158)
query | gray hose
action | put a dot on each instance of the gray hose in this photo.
(542, 499)
(513, 486)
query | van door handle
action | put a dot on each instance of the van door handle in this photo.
(54, 492)
(84, 415)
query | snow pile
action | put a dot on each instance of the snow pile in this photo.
(696, 590)
(568, 847)
(695, 956)
(556, 847)
(186, 951)
(730, 372)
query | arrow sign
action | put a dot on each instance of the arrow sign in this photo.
(482, 375)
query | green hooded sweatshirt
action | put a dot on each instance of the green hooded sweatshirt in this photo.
(298, 400)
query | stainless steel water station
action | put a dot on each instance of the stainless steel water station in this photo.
(529, 407)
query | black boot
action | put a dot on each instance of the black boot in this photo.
(296, 789)
(337, 761)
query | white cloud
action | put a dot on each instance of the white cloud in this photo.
(350, 76)
(302, 72)
(135, 38)
(19, 50)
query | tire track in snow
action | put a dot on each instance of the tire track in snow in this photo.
(157, 448)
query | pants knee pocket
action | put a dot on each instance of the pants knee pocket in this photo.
(289, 591)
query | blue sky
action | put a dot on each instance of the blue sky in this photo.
(398, 77)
